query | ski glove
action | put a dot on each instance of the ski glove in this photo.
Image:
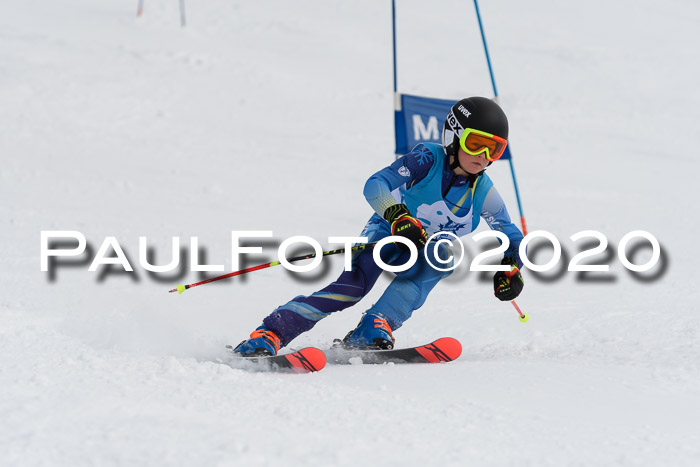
(405, 225)
(507, 285)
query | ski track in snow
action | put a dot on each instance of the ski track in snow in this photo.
(125, 127)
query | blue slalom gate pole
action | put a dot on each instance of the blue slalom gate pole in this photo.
(486, 49)
(495, 93)
(397, 98)
(393, 32)
(517, 196)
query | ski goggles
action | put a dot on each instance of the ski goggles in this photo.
(477, 142)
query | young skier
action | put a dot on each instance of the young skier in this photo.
(434, 188)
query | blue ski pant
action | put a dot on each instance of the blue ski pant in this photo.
(406, 293)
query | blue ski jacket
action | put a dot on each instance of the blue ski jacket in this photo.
(440, 199)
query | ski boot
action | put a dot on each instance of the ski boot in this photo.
(373, 332)
(261, 342)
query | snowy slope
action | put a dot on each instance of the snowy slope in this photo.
(270, 115)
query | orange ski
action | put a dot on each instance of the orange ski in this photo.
(445, 349)
(306, 360)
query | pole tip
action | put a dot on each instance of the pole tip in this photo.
(180, 289)
(524, 318)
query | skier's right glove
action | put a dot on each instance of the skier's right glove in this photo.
(403, 224)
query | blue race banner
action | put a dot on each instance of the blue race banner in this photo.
(420, 119)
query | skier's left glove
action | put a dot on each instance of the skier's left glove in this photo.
(403, 224)
(507, 285)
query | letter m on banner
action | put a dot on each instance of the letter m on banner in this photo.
(420, 119)
(423, 132)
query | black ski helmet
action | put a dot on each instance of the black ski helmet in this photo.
(478, 113)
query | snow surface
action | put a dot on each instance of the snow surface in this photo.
(270, 115)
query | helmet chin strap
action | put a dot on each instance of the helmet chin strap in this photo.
(455, 162)
(471, 177)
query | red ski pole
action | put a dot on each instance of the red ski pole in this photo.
(181, 288)
(523, 316)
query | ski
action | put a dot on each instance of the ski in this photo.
(445, 349)
(306, 360)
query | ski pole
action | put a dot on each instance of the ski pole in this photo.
(523, 316)
(181, 288)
